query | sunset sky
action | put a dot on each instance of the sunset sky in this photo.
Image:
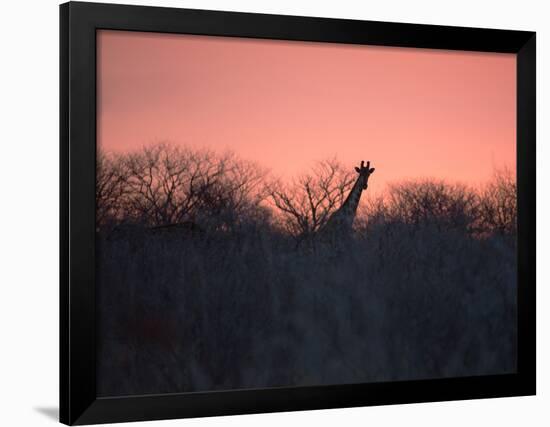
(411, 112)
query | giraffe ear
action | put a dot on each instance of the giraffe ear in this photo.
(357, 169)
(371, 170)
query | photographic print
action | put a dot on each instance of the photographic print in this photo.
(278, 213)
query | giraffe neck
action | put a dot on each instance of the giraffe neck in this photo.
(342, 219)
(349, 207)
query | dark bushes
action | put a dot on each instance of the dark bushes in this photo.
(424, 289)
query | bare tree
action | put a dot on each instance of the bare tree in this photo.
(373, 211)
(165, 184)
(236, 196)
(498, 203)
(111, 180)
(431, 201)
(307, 202)
(491, 209)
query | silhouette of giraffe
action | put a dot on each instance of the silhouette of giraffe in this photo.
(341, 221)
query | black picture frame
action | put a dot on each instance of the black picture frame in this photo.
(79, 22)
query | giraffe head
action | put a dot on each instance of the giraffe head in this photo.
(364, 173)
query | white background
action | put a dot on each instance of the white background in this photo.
(29, 209)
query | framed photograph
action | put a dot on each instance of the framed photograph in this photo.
(268, 213)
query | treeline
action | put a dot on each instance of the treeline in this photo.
(165, 185)
(492, 209)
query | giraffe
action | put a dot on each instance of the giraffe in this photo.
(341, 221)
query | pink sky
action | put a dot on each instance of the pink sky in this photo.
(411, 112)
